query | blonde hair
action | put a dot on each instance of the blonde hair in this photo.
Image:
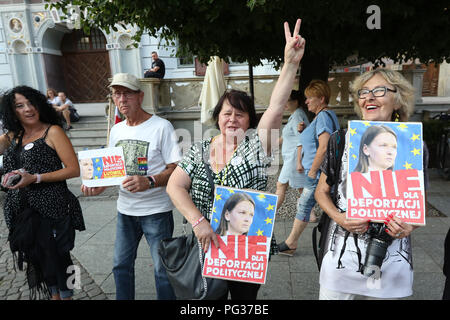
(319, 89)
(404, 97)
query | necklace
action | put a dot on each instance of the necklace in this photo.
(222, 181)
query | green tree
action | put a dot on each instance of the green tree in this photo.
(252, 30)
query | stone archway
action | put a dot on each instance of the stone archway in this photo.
(86, 66)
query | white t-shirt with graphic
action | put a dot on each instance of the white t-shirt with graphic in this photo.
(148, 148)
(395, 277)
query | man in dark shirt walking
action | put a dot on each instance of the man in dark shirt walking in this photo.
(158, 68)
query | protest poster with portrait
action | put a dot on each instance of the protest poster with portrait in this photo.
(243, 221)
(102, 167)
(385, 171)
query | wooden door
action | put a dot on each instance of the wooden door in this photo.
(86, 66)
(430, 80)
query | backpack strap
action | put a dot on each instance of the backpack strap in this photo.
(322, 226)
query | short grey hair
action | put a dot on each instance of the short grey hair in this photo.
(404, 97)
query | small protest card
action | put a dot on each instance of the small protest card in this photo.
(385, 171)
(243, 221)
(102, 167)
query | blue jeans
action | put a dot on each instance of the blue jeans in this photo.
(130, 229)
(307, 200)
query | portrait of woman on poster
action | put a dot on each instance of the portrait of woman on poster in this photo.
(237, 215)
(87, 169)
(377, 150)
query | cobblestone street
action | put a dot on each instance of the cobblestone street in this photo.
(13, 284)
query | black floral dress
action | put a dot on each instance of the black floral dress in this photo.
(52, 200)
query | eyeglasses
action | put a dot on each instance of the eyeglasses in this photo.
(377, 92)
(126, 94)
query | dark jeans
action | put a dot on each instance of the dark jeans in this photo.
(130, 229)
(151, 74)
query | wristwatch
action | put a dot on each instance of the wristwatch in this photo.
(152, 182)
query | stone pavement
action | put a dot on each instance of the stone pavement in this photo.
(289, 278)
(13, 285)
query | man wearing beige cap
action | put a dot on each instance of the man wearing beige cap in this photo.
(144, 208)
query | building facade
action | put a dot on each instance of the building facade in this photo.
(40, 50)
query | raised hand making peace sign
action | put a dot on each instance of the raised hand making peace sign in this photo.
(293, 53)
(295, 44)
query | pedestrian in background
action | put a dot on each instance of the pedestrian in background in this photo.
(314, 140)
(158, 69)
(290, 141)
(52, 97)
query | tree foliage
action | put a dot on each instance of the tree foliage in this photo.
(252, 30)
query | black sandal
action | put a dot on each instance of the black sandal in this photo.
(285, 250)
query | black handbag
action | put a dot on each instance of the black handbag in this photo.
(182, 257)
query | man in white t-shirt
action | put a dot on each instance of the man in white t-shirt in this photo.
(144, 208)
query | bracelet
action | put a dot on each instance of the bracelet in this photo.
(197, 222)
(38, 178)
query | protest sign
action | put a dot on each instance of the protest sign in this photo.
(102, 167)
(385, 171)
(243, 220)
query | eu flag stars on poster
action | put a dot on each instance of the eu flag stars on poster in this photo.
(244, 235)
(97, 162)
(409, 143)
(385, 171)
(265, 210)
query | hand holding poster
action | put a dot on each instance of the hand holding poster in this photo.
(385, 173)
(243, 220)
(102, 167)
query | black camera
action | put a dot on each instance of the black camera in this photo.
(379, 241)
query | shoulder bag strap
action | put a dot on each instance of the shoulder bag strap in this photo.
(209, 174)
(315, 124)
(332, 120)
(210, 179)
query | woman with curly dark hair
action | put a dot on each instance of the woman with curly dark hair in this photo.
(39, 208)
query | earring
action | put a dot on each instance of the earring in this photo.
(396, 116)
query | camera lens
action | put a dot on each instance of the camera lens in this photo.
(379, 242)
(376, 251)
